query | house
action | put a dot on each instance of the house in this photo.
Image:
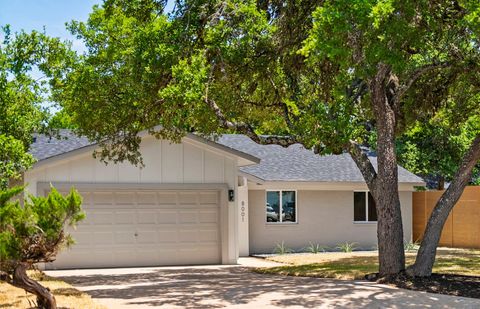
(205, 202)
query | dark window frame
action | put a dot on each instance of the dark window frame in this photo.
(368, 197)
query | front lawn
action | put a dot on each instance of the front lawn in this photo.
(355, 265)
(66, 295)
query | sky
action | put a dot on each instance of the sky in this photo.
(51, 14)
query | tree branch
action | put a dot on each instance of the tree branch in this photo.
(415, 76)
(364, 165)
(431, 237)
(246, 129)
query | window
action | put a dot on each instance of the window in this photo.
(281, 206)
(364, 209)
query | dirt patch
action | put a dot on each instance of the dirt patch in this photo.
(448, 284)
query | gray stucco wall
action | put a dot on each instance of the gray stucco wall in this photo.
(324, 217)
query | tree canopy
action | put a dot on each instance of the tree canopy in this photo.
(435, 148)
(327, 74)
(22, 95)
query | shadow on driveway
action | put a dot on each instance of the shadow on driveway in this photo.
(218, 287)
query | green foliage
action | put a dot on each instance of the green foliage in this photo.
(13, 160)
(411, 246)
(436, 146)
(35, 232)
(281, 248)
(21, 95)
(60, 120)
(316, 248)
(346, 246)
(145, 68)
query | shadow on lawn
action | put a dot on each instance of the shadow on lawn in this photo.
(220, 287)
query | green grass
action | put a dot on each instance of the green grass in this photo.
(356, 265)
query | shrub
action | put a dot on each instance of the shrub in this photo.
(347, 246)
(316, 248)
(281, 248)
(34, 233)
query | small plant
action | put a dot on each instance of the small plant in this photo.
(315, 248)
(347, 246)
(281, 248)
(410, 246)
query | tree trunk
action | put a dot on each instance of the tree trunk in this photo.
(383, 183)
(428, 249)
(45, 299)
(391, 253)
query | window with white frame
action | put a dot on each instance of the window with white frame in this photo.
(281, 206)
(364, 208)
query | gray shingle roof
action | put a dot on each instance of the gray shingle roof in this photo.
(296, 163)
(45, 146)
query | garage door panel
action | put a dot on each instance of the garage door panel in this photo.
(145, 228)
(188, 198)
(167, 217)
(167, 236)
(147, 198)
(147, 217)
(208, 198)
(208, 236)
(125, 198)
(187, 217)
(123, 258)
(82, 238)
(99, 217)
(125, 237)
(208, 217)
(167, 198)
(102, 198)
(124, 217)
(188, 236)
(147, 237)
(103, 238)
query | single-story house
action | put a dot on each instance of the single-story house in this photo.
(207, 202)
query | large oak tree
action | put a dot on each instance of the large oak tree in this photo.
(326, 74)
(21, 95)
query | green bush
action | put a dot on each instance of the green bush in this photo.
(34, 233)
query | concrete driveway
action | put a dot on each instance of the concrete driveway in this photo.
(238, 287)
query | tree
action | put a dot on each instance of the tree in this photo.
(34, 233)
(21, 95)
(13, 160)
(434, 148)
(344, 70)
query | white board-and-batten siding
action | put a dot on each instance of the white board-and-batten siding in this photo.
(190, 162)
(165, 162)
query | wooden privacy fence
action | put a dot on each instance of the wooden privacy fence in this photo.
(462, 229)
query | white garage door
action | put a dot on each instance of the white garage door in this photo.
(145, 228)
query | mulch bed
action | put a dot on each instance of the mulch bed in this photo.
(457, 285)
